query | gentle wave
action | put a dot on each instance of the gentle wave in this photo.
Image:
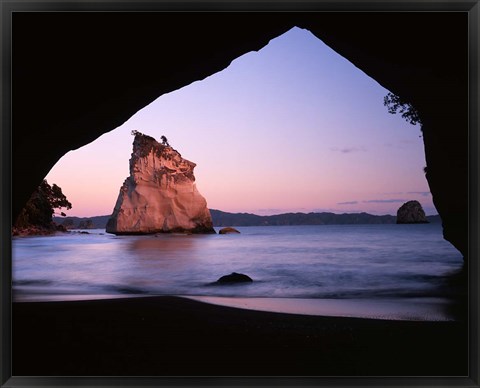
(310, 262)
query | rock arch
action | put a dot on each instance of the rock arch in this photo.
(79, 75)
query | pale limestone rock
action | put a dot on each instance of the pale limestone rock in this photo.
(160, 194)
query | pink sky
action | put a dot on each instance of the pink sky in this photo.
(293, 127)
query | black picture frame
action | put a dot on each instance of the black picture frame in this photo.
(9, 7)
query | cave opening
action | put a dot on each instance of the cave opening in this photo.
(427, 71)
(293, 127)
(431, 72)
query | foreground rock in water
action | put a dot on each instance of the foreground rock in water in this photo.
(411, 212)
(228, 230)
(234, 278)
(160, 194)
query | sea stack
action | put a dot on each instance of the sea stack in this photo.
(411, 212)
(160, 195)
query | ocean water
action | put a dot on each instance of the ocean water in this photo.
(404, 268)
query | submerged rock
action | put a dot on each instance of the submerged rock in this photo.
(228, 230)
(160, 195)
(411, 212)
(234, 278)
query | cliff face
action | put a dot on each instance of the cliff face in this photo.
(411, 212)
(160, 194)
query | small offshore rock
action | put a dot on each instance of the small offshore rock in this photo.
(228, 230)
(411, 212)
(235, 278)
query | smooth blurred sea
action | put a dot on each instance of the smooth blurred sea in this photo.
(408, 265)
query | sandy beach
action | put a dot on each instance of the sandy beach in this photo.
(173, 336)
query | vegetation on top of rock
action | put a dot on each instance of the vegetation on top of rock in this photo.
(38, 211)
(142, 135)
(164, 141)
(143, 144)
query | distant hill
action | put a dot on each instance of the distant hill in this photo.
(97, 222)
(434, 219)
(221, 218)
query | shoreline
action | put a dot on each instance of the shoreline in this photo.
(175, 336)
(425, 308)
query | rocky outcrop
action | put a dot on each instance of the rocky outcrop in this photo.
(35, 230)
(160, 195)
(228, 230)
(411, 212)
(234, 277)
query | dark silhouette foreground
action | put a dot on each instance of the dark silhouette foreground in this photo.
(174, 336)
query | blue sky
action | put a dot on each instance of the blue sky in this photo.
(292, 127)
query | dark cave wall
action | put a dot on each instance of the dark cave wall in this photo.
(77, 76)
(424, 63)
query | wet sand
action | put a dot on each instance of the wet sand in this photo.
(173, 336)
(403, 309)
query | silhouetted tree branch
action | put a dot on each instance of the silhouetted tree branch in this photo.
(396, 105)
(39, 209)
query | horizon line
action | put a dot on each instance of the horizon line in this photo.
(266, 215)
